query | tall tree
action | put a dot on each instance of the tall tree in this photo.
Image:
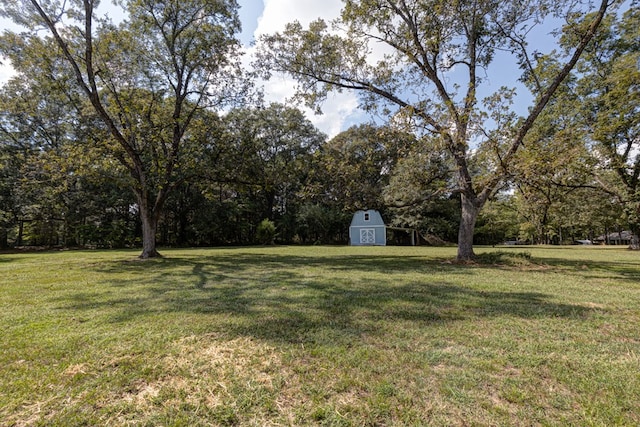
(147, 79)
(354, 167)
(609, 89)
(9, 178)
(554, 162)
(35, 128)
(53, 179)
(272, 148)
(439, 54)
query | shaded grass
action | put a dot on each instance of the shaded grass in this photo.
(321, 336)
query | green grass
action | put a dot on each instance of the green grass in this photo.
(336, 336)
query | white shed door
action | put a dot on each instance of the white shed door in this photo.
(368, 236)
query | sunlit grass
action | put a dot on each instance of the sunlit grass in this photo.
(321, 336)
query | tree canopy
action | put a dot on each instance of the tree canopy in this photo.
(609, 96)
(147, 80)
(437, 58)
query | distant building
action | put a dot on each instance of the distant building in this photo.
(624, 237)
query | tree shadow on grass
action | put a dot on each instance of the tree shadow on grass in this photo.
(241, 260)
(303, 299)
(619, 270)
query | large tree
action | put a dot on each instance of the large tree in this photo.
(553, 164)
(420, 193)
(272, 148)
(35, 130)
(609, 106)
(439, 56)
(52, 180)
(147, 80)
(354, 167)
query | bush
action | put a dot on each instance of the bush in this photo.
(266, 232)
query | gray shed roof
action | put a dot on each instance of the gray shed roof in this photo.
(368, 218)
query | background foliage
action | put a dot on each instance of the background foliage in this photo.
(214, 174)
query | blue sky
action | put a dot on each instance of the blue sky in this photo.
(268, 16)
(250, 11)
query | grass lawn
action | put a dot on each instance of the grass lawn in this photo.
(340, 336)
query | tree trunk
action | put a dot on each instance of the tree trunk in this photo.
(4, 238)
(149, 228)
(635, 237)
(468, 217)
(149, 220)
(20, 233)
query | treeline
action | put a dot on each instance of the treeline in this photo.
(266, 164)
(273, 164)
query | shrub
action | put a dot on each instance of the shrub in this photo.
(266, 232)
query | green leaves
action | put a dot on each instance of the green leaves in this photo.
(147, 79)
(432, 66)
(322, 61)
(609, 91)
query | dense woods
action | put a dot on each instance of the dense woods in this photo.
(147, 132)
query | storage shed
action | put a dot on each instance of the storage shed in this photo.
(367, 229)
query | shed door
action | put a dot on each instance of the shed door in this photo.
(368, 236)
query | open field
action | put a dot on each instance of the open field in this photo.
(339, 336)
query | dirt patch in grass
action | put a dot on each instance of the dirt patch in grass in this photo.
(77, 369)
(228, 382)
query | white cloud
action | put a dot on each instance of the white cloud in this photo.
(339, 109)
(6, 70)
(277, 13)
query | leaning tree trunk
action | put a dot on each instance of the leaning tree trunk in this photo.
(468, 217)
